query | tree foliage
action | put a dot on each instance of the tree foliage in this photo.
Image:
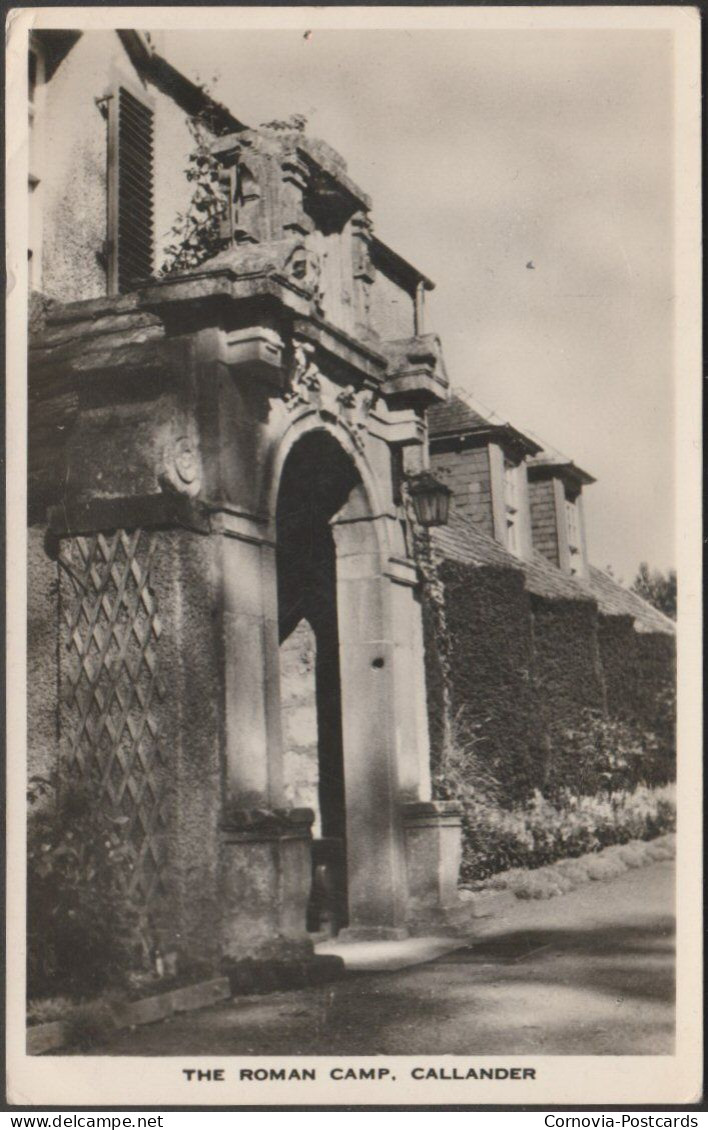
(657, 588)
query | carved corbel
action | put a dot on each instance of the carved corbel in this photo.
(294, 187)
(354, 410)
(364, 270)
(304, 379)
(241, 178)
(247, 204)
(362, 234)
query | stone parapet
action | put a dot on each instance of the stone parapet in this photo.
(266, 881)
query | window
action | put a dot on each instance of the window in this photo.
(130, 205)
(571, 523)
(511, 506)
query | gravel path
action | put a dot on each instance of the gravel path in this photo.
(591, 973)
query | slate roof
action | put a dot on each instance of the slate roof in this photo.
(463, 542)
(462, 414)
(615, 600)
(550, 457)
(454, 415)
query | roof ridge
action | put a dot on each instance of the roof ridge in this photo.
(494, 417)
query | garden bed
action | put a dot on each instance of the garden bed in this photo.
(566, 874)
(83, 1023)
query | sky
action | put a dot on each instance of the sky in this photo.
(486, 150)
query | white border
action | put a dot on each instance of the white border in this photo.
(560, 1080)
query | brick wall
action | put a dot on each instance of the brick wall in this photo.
(544, 531)
(468, 475)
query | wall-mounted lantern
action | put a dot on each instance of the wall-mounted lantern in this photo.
(430, 498)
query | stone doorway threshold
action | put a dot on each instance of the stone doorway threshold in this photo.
(373, 956)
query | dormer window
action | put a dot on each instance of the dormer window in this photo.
(573, 532)
(571, 517)
(511, 507)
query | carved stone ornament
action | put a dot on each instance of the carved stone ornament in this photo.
(307, 387)
(182, 466)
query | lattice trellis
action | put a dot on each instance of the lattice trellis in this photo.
(111, 689)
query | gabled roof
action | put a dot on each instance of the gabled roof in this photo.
(462, 415)
(189, 96)
(463, 542)
(555, 461)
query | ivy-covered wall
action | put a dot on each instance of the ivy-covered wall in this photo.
(569, 675)
(656, 681)
(617, 640)
(510, 672)
(490, 657)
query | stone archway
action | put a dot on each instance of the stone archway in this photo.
(316, 482)
(330, 570)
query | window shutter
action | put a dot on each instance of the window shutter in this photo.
(132, 211)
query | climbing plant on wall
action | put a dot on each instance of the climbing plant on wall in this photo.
(196, 233)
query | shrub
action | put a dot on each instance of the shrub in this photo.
(81, 925)
(542, 831)
(611, 800)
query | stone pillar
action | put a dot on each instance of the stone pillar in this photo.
(266, 869)
(409, 705)
(252, 738)
(375, 850)
(433, 854)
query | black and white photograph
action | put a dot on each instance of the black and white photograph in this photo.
(354, 415)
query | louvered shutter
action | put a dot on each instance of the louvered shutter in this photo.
(132, 213)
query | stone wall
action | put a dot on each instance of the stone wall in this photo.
(122, 678)
(392, 309)
(299, 714)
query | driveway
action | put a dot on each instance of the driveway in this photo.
(589, 973)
